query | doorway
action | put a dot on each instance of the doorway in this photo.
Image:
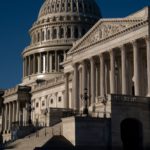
(132, 134)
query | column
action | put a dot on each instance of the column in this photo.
(97, 80)
(3, 117)
(13, 111)
(17, 111)
(84, 81)
(136, 68)
(124, 71)
(76, 87)
(47, 62)
(66, 100)
(10, 117)
(92, 81)
(58, 32)
(80, 86)
(34, 64)
(39, 62)
(147, 38)
(6, 116)
(56, 61)
(102, 76)
(112, 72)
(50, 62)
(29, 69)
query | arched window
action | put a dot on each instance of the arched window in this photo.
(51, 101)
(38, 37)
(54, 35)
(61, 32)
(68, 32)
(42, 35)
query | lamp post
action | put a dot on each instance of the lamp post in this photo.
(45, 114)
(85, 99)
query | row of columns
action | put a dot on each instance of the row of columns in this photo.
(11, 115)
(102, 74)
(58, 32)
(42, 63)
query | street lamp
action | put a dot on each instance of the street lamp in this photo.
(85, 98)
(45, 114)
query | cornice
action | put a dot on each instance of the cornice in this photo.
(53, 43)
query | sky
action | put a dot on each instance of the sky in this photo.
(17, 17)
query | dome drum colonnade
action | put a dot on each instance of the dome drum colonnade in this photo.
(123, 70)
(59, 24)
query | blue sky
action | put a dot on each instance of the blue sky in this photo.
(17, 17)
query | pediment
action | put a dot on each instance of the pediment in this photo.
(103, 30)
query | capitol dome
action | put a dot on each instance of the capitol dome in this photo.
(71, 7)
(59, 24)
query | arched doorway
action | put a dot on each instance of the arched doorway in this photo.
(132, 134)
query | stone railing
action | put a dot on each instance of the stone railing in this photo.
(11, 91)
(49, 42)
(129, 99)
(16, 89)
(49, 83)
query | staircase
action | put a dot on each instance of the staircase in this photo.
(37, 139)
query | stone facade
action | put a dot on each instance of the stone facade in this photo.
(59, 64)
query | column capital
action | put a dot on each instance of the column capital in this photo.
(74, 65)
(101, 55)
(111, 52)
(147, 38)
(91, 58)
(134, 43)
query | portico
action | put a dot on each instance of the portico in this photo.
(15, 101)
(119, 65)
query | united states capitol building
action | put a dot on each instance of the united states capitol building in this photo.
(74, 49)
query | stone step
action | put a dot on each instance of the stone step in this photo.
(37, 139)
